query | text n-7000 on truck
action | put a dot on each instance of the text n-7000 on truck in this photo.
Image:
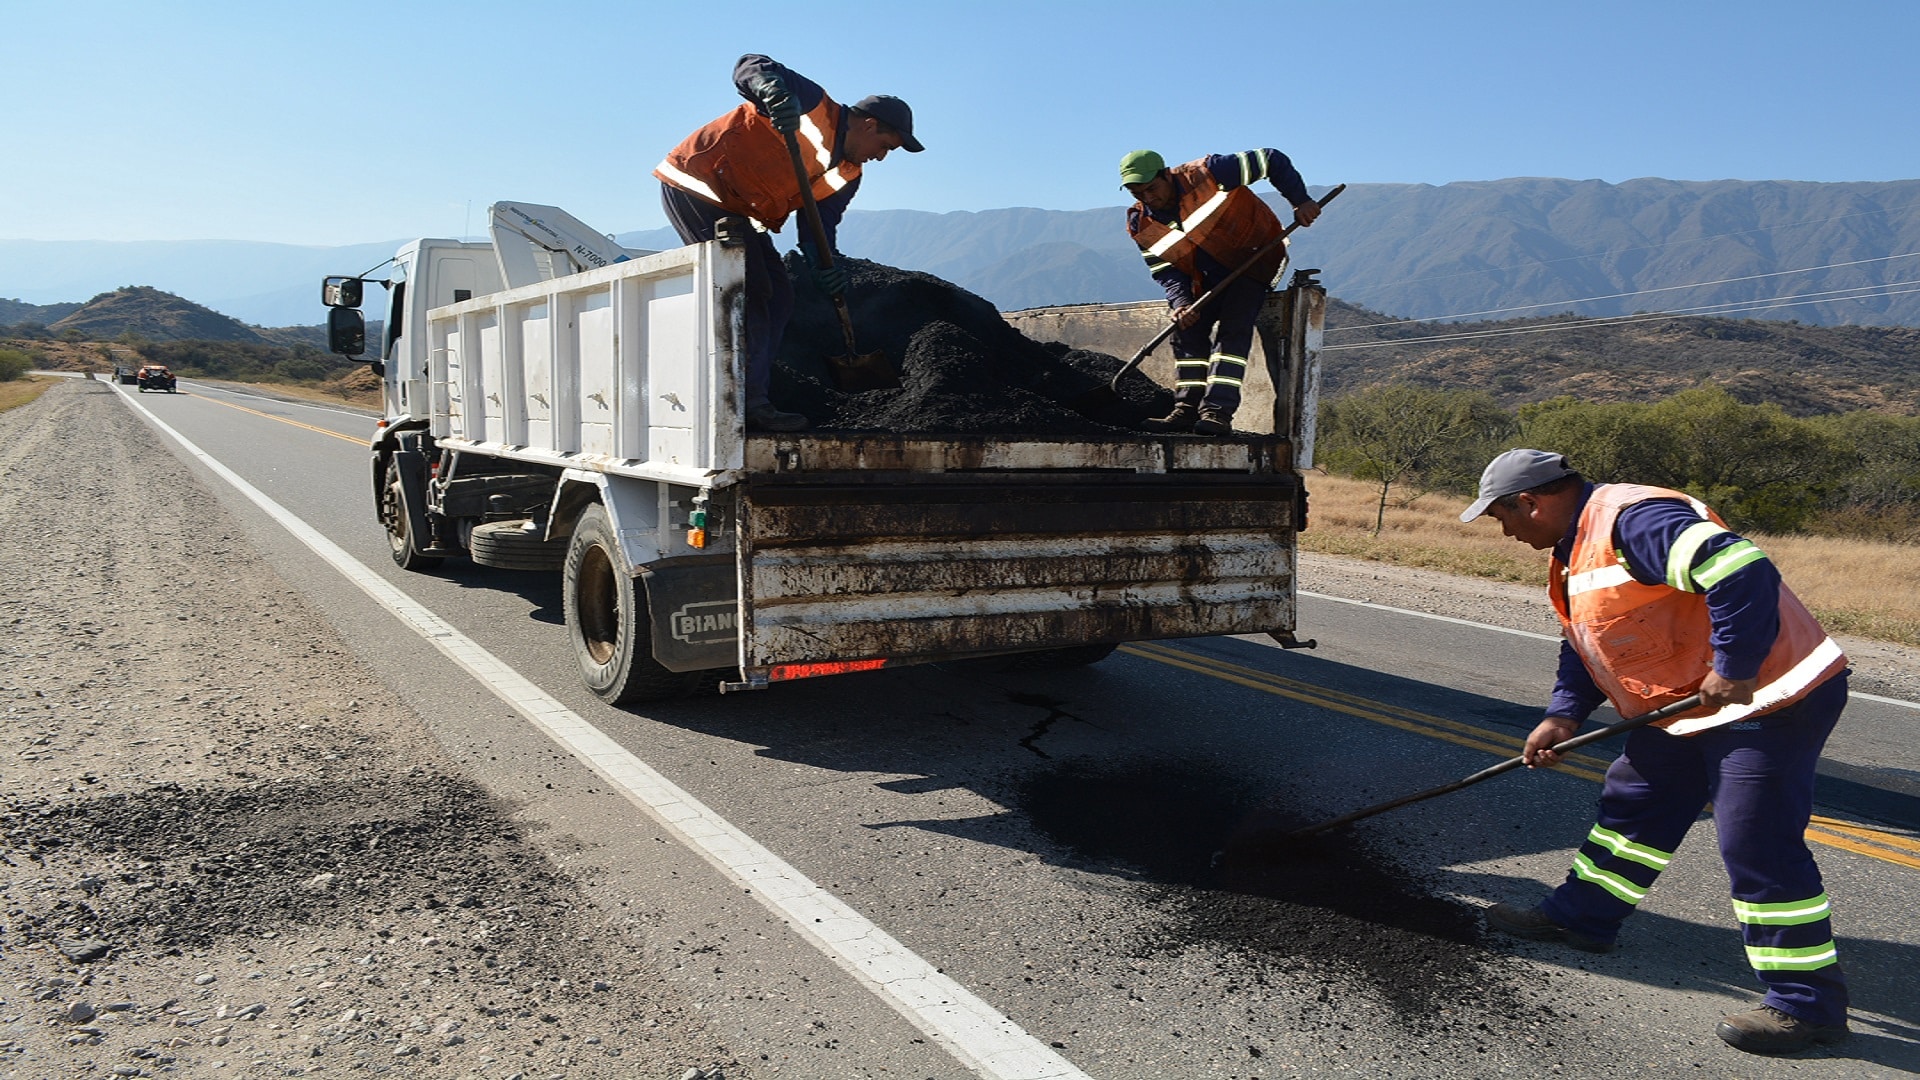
(567, 406)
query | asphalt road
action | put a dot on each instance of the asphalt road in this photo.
(1032, 836)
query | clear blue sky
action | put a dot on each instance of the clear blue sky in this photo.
(323, 123)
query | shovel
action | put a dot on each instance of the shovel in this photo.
(1685, 704)
(1113, 388)
(856, 370)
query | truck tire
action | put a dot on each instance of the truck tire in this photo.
(396, 514)
(611, 631)
(504, 545)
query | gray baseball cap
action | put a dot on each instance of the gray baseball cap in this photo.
(1513, 471)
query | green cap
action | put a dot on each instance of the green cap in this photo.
(1140, 166)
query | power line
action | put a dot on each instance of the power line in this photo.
(1620, 296)
(1831, 296)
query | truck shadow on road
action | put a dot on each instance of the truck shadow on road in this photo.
(540, 589)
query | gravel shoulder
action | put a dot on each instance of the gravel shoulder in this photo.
(227, 850)
(224, 846)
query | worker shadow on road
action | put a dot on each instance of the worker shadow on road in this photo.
(1666, 953)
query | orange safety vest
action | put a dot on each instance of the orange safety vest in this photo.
(740, 163)
(1648, 646)
(1229, 224)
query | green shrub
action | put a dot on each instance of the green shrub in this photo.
(13, 364)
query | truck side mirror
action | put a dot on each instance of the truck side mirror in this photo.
(340, 292)
(346, 331)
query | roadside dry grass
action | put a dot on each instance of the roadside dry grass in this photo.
(1856, 587)
(17, 392)
(326, 393)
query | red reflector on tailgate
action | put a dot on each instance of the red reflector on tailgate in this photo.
(789, 672)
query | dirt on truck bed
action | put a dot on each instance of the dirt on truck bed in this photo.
(963, 370)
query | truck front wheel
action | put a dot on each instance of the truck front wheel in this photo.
(611, 631)
(397, 513)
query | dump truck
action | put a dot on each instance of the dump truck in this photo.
(555, 403)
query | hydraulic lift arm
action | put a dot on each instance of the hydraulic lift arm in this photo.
(538, 243)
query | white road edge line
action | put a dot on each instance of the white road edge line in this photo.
(954, 1018)
(1546, 637)
(1431, 615)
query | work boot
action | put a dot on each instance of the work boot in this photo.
(768, 418)
(1534, 925)
(1767, 1030)
(1182, 418)
(1213, 421)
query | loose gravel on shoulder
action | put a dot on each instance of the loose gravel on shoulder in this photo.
(225, 850)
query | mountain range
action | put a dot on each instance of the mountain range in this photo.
(1821, 253)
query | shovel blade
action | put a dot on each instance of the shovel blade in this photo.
(863, 371)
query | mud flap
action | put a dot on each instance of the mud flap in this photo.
(695, 608)
(411, 467)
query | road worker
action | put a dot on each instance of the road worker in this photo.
(1658, 599)
(1195, 224)
(734, 180)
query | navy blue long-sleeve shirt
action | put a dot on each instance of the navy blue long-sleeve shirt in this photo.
(1742, 588)
(806, 94)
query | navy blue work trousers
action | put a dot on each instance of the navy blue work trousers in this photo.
(1210, 357)
(1758, 774)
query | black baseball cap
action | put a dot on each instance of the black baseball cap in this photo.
(894, 113)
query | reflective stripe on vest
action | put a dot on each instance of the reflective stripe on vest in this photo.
(1229, 224)
(1189, 223)
(739, 163)
(1649, 645)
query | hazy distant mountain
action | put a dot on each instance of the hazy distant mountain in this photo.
(13, 311)
(1524, 246)
(261, 284)
(153, 314)
(1423, 252)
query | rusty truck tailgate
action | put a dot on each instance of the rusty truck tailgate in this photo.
(1132, 540)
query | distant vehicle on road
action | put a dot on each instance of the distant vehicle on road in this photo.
(155, 377)
(125, 375)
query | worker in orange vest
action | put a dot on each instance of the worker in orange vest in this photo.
(733, 180)
(1195, 224)
(1658, 599)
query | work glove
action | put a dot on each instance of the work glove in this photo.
(832, 280)
(778, 102)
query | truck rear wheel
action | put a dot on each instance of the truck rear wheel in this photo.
(609, 626)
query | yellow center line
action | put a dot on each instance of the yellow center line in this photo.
(1453, 731)
(284, 420)
(1869, 848)
(1860, 839)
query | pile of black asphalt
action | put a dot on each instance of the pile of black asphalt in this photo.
(963, 369)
